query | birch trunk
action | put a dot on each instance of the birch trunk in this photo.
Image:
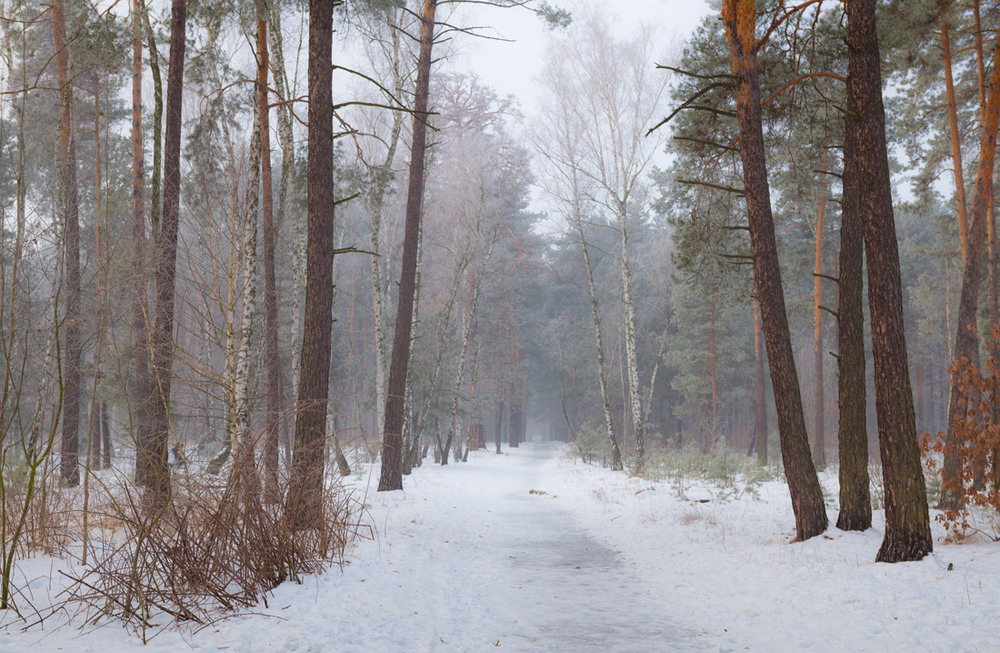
(466, 337)
(243, 402)
(595, 316)
(635, 397)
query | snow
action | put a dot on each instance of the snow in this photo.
(531, 551)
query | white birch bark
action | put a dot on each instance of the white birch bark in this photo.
(242, 396)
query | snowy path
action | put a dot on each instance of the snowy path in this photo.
(576, 593)
(481, 560)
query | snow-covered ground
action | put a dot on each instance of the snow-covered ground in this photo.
(530, 551)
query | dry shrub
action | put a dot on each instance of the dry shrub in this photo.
(213, 546)
(49, 521)
(977, 430)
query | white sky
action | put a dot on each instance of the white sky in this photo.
(511, 67)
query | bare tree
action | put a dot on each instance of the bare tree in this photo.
(608, 96)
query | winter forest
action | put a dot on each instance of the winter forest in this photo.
(311, 338)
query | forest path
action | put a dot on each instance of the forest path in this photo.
(575, 593)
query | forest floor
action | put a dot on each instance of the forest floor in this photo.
(532, 551)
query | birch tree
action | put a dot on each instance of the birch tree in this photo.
(609, 97)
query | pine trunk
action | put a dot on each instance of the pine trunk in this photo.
(907, 531)
(69, 460)
(819, 400)
(155, 193)
(966, 341)
(306, 482)
(855, 495)
(956, 140)
(739, 17)
(158, 480)
(759, 404)
(392, 443)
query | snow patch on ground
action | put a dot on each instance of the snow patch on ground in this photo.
(530, 551)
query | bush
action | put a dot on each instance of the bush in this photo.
(592, 445)
(213, 546)
(721, 466)
(977, 430)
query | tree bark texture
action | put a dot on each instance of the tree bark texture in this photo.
(602, 377)
(819, 400)
(907, 532)
(759, 405)
(158, 481)
(391, 477)
(631, 360)
(966, 340)
(306, 482)
(272, 492)
(855, 494)
(155, 193)
(70, 452)
(956, 139)
(242, 410)
(739, 18)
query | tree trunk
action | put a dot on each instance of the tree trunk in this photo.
(392, 444)
(69, 461)
(155, 195)
(272, 492)
(994, 274)
(306, 482)
(956, 140)
(513, 418)
(807, 497)
(966, 341)
(819, 427)
(855, 495)
(631, 360)
(242, 410)
(158, 481)
(713, 371)
(595, 317)
(498, 436)
(381, 177)
(467, 332)
(759, 404)
(907, 531)
(105, 425)
(288, 165)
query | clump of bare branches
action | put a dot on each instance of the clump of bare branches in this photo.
(213, 546)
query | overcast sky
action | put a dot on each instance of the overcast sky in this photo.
(511, 67)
